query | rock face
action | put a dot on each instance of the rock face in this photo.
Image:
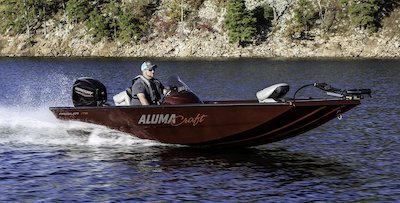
(207, 41)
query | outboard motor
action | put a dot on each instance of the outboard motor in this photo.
(179, 93)
(88, 92)
(273, 93)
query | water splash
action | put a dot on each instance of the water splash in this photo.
(39, 127)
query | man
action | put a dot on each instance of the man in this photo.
(147, 90)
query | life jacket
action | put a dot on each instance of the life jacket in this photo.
(153, 88)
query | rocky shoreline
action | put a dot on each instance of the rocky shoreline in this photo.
(209, 45)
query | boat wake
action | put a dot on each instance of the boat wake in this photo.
(39, 127)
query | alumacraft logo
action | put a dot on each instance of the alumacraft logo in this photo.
(172, 119)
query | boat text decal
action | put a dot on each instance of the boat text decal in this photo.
(172, 119)
(83, 92)
(75, 113)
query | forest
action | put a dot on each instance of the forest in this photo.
(129, 21)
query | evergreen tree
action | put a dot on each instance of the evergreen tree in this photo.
(264, 16)
(364, 13)
(130, 28)
(78, 10)
(20, 15)
(240, 22)
(305, 14)
(112, 12)
(98, 25)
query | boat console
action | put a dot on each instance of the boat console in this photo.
(179, 93)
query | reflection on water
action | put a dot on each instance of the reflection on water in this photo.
(42, 159)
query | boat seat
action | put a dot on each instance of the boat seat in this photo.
(273, 93)
(122, 99)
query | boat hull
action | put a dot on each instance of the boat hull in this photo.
(213, 124)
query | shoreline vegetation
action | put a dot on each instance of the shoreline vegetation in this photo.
(200, 28)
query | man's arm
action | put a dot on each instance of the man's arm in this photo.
(142, 99)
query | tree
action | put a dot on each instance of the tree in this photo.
(364, 13)
(113, 12)
(131, 28)
(98, 25)
(20, 15)
(78, 10)
(305, 14)
(264, 16)
(240, 22)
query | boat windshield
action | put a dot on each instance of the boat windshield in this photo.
(175, 83)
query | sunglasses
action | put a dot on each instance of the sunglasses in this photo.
(150, 69)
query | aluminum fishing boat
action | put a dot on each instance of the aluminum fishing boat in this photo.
(183, 118)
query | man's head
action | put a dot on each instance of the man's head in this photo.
(148, 69)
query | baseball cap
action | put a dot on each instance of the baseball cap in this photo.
(147, 65)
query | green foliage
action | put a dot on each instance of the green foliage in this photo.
(240, 22)
(112, 12)
(173, 11)
(13, 17)
(25, 16)
(305, 14)
(264, 16)
(98, 25)
(131, 28)
(268, 13)
(134, 19)
(364, 13)
(220, 3)
(78, 10)
(131, 20)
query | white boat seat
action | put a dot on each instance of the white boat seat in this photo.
(272, 93)
(122, 99)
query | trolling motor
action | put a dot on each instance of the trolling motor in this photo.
(351, 94)
(346, 94)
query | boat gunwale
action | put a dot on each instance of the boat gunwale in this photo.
(227, 103)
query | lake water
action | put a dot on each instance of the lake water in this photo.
(356, 159)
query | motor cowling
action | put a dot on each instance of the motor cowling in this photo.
(88, 92)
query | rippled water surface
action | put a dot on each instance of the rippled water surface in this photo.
(42, 159)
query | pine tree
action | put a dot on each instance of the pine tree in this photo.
(305, 14)
(98, 25)
(131, 28)
(240, 22)
(78, 10)
(20, 15)
(113, 12)
(364, 13)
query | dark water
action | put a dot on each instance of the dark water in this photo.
(356, 159)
